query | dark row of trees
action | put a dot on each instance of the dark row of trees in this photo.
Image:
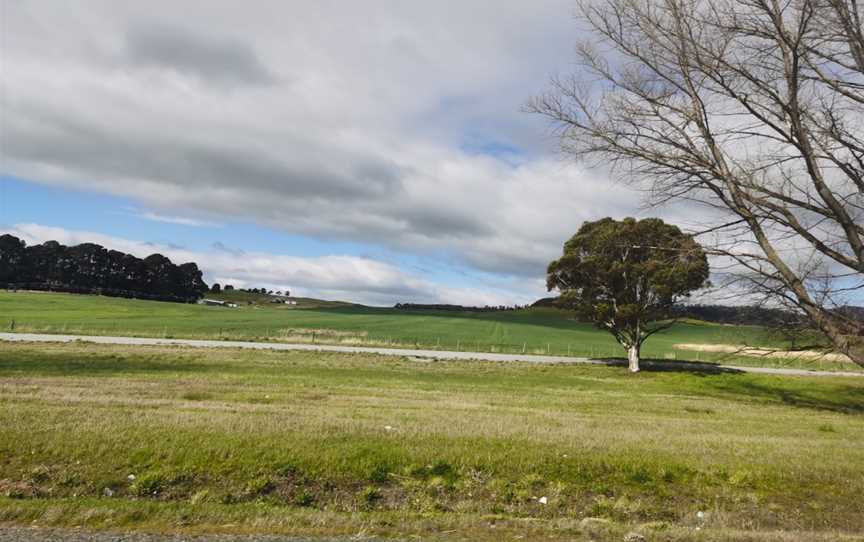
(218, 289)
(739, 315)
(757, 315)
(91, 268)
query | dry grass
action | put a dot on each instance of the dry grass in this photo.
(396, 447)
(795, 355)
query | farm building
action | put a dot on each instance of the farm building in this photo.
(216, 302)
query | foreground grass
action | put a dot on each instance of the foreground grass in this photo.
(338, 444)
(534, 331)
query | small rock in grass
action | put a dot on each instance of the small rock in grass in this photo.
(131, 477)
(634, 537)
(543, 500)
(108, 492)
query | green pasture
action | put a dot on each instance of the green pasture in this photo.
(533, 331)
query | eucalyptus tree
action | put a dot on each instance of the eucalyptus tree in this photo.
(626, 276)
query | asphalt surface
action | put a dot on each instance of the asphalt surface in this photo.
(420, 354)
(24, 534)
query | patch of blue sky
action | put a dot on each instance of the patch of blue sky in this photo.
(478, 145)
(851, 291)
(22, 201)
(25, 202)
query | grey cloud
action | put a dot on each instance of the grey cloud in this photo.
(363, 145)
(64, 141)
(219, 246)
(439, 221)
(213, 59)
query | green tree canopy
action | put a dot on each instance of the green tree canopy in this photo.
(625, 276)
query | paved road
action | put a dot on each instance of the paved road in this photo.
(403, 352)
(24, 534)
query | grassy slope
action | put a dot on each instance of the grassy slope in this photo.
(231, 440)
(536, 331)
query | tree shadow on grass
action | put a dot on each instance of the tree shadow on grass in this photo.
(729, 383)
(663, 366)
(840, 398)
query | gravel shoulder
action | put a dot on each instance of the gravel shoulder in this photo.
(402, 352)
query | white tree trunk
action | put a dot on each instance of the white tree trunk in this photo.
(633, 358)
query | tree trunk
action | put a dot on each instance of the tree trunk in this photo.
(855, 350)
(847, 338)
(633, 358)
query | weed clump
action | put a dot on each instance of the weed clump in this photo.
(304, 498)
(149, 485)
(40, 474)
(368, 497)
(379, 474)
(258, 487)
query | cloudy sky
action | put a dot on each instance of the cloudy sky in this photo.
(369, 151)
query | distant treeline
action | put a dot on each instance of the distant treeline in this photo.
(454, 308)
(721, 314)
(743, 315)
(91, 268)
(851, 311)
(755, 315)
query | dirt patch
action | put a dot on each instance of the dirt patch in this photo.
(15, 489)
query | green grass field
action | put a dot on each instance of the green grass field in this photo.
(535, 331)
(336, 444)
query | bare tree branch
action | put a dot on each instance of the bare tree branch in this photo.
(752, 107)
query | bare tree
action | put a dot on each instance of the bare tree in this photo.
(754, 108)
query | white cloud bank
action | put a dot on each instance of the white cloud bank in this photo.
(347, 278)
(385, 122)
